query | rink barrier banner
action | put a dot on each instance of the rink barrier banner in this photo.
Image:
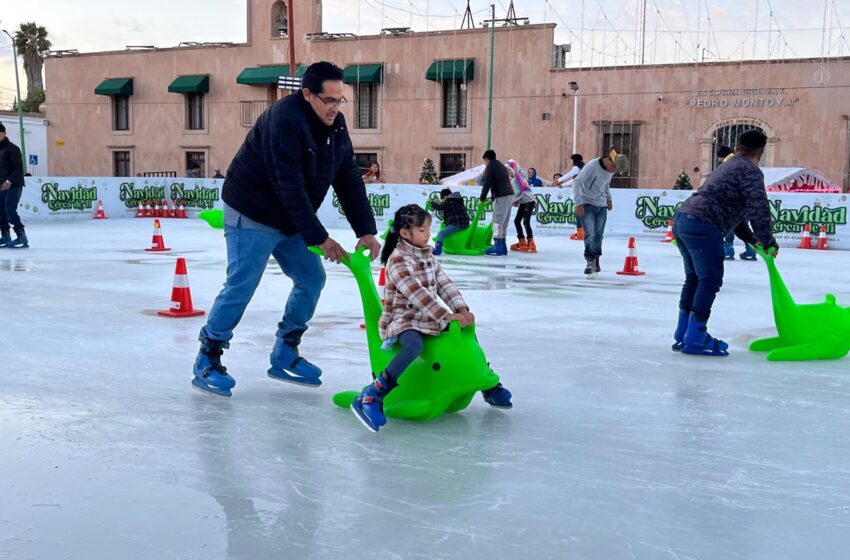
(76, 197)
(641, 213)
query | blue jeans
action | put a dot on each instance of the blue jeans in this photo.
(412, 343)
(701, 245)
(594, 228)
(447, 231)
(248, 252)
(9, 200)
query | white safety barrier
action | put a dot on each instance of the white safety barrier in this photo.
(639, 213)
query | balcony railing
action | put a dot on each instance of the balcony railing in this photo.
(250, 111)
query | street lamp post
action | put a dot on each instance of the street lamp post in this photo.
(574, 87)
(20, 102)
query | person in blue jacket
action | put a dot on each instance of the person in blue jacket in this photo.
(297, 149)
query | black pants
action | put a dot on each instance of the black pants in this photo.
(523, 217)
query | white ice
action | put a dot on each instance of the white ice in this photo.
(616, 446)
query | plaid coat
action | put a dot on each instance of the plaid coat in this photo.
(416, 284)
(453, 210)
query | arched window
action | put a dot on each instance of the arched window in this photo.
(728, 136)
(280, 23)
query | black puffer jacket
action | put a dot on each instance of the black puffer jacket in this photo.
(496, 180)
(11, 165)
(282, 172)
(733, 194)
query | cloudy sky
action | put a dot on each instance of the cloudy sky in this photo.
(601, 31)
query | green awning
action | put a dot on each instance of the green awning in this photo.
(190, 84)
(460, 69)
(115, 86)
(363, 74)
(267, 74)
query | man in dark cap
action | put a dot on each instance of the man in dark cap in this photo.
(732, 194)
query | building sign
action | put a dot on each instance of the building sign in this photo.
(745, 98)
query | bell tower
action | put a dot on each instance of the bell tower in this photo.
(269, 19)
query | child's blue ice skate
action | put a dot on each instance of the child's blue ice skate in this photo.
(5, 239)
(730, 252)
(210, 376)
(699, 343)
(498, 397)
(288, 366)
(368, 406)
(438, 249)
(681, 328)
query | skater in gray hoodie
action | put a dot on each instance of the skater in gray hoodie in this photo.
(592, 191)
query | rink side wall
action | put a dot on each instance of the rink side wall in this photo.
(643, 213)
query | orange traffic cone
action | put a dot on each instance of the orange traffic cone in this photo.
(578, 235)
(140, 213)
(100, 214)
(181, 210)
(156, 213)
(668, 237)
(823, 242)
(630, 267)
(806, 240)
(181, 295)
(173, 212)
(382, 283)
(158, 242)
(148, 212)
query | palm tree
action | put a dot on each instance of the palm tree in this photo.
(32, 44)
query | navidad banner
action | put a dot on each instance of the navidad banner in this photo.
(641, 213)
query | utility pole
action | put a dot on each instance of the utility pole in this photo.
(20, 102)
(467, 22)
(290, 29)
(490, 95)
(643, 36)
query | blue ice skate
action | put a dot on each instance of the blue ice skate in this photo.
(681, 327)
(498, 397)
(369, 407)
(210, 376)
(288, 366)
(699, 343)
(5, 239)
(21, 242)
(748, 255)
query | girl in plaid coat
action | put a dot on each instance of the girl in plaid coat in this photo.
(421, 300)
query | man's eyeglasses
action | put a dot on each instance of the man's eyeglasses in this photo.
(331, 102)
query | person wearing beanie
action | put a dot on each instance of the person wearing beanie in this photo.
(592, 192)
(11, 189)
(732, 194)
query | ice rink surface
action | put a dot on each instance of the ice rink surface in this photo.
(616, 446)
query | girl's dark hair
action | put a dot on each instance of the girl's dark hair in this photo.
(406, 217)
(578, 160)
(445, 192)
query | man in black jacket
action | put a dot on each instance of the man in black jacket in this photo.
(497, 181)
(274, 186)
(11, 188)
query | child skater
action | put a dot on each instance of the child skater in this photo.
(524, 201)
(417, 293)
(455, 217)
